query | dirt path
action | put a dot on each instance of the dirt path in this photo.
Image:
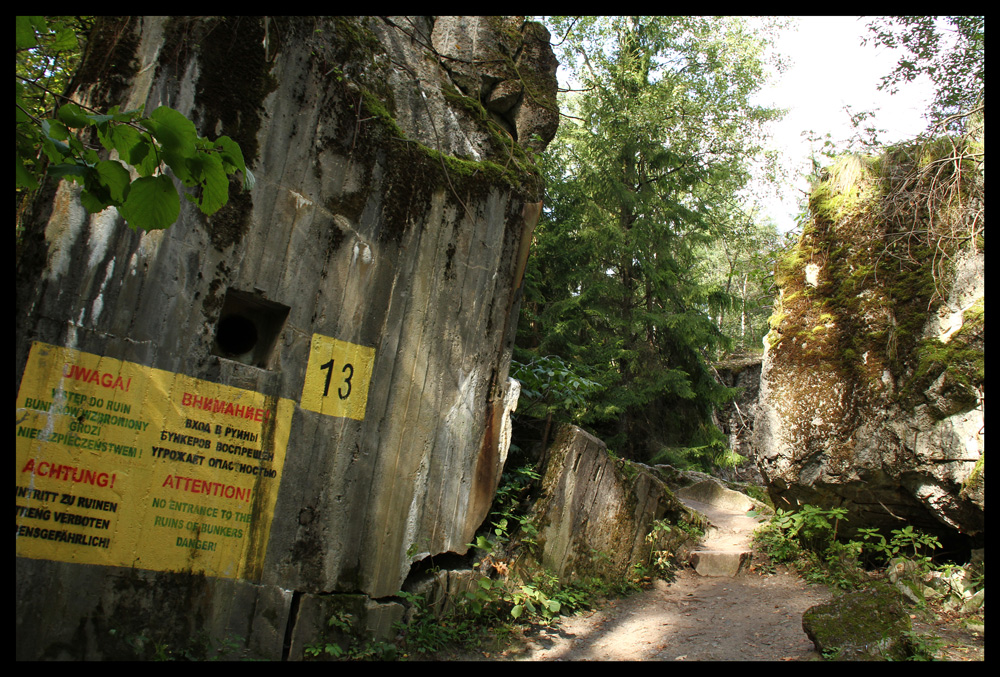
(746, 618)
(749, 617)
(696, 618)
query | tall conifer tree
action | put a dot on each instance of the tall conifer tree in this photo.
(661, 134)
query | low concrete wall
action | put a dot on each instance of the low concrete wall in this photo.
(594, 512)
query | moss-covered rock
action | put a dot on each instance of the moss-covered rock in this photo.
(873, 375)
(862, 625)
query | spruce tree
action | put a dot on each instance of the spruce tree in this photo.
(659, 136)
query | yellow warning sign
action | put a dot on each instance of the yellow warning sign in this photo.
(337, 378)
(125, 465)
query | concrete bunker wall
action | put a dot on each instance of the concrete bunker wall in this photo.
(302, 394)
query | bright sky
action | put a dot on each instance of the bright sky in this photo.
(830, 69)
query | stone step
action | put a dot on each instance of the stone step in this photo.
(727, 563)
(726, 549)
(714, 494)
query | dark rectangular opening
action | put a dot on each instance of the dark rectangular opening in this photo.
(248, 328)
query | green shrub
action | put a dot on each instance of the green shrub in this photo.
(905, 542)
(790, 534)
(808, 540)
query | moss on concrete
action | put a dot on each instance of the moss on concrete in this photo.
(380, 140)
(961, 361)
(973, 484)
(234, 78)
(109, 62)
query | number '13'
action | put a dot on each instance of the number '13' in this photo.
(349, 369)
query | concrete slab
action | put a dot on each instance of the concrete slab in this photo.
(726, 549)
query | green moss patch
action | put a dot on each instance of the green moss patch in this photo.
(875, 286)
(863, 625)
(957, 367)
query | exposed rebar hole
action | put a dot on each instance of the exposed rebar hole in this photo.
(248, 328)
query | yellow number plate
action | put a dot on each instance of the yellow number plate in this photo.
(337, 378)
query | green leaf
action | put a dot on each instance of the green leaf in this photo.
(55, 130)
(24, 31)
(113, 175)
(213, 180)
(22, 177)
(55, 151)
(152, 203)
(93, 202)
(232, 155)
(73, 171)
(143, 158)
(73, 116)
(20, 116)
(127, 116)
(99, 119)
(180, 165)
(88, 155)
(65, 40)
(123, 139)
(176, 134)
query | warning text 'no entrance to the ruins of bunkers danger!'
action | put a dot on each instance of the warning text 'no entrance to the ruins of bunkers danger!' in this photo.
(125, 465)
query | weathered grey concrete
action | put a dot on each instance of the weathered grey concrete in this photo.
(352, 616)
(720, 563)
(717, 495)
(390, 211)
(79, 612)
(726, 549)
(594, 512)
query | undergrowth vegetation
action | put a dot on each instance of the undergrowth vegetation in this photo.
(807, 541)
(503, 598)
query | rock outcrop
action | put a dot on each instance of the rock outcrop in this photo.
(360, 301)
(871, 394)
